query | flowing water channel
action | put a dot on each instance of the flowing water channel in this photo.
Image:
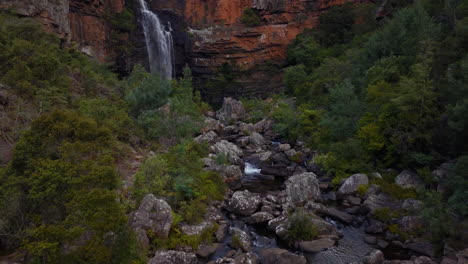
(159, 42)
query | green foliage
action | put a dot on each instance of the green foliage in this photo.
(124, 21)
(395, 190)
(362, 189)
(222, 159)
(287, 121)
(336, 25)
(301, 226)
(177, 239)
(236, 241)
(385, 214)
(459, 185)
(250, 18)
(62, 181)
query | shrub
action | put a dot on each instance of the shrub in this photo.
(301, 226)
(385, 214)
(250, 18)
(236, 241)
(362, 189)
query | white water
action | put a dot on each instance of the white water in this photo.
(251, 169)
(159, 43)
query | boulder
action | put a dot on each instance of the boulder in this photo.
(411, 223)
(351, 184)
(212, 125)
(412, 205)
(210, 137)
(302, 188)
(381, 200)
(221, 232)
(316, 245)
(339, 215)
(256, 139)
(243, 203)
(240, 239)
(262, 156)
(462, 256)
(153, 214)
(232, 151)
(408, 179)
(275, 170)
(259, 217)
(284, 147)
(193, 230)
(423, 260)
(172, 256)
(232, 110)
(142, 238)
(263, 126)
(422, 247)
(281, 256)
(205, 251)
(374, 257)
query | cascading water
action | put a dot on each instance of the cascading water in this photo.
(159, 43)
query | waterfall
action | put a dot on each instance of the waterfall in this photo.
(159, 43)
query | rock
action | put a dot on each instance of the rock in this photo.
(262, 156)
(462, 256)
(408, 179)
(231, 150)
(281, 256)
(353, 200)
(423, 260)
(205, 251)
(316, 208)
(172, 256)
(375, 257)
(192, 230)
(260, 217)
(316, 245)
(246, 258)
(291, 154)
(240, 239)
(221, 232)
(339, 215)
(382, 244)
(375, 227)
(411, 223)
(232, 110)
(447, 260)
(229, 171)
(210, 137)
(153, 214)
(302, 188)
(243, 203)
(246, 129)
(263, 126)
(375, 175)
(275, 170)
(256, 139)
(212, 125)
(370, 240)
(142, 238)
(412, 205)
(381, 200)
(284, 147)
(422, 247)
(351, 184)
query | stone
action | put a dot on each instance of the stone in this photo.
(240, 239)
(263, 126)
(246, 258)
(232, 110)
(339, 215)
(193, 230)
(256, 139)
(291, 154)
(353, 200)
(422, 247)
(382, 244)
(262, 156)
(374, 202)
(210, 137)
(281, 256)
(243, 203)
(302, 188)
(205, 251)
(375, 227)
(462, 256)
(411, 223)
(284, 147)
(370, 240)
(172, 256)
(423, 260)
(153, 214)
(232, 151)
(447, 260)
(408, 179)
(412, 205)
(259, 217)
(351, 184)
(316, 245)
(221, 232)
(374, 257)
(142, 238)
(275, 170)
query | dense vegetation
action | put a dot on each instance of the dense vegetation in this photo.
(74, 125)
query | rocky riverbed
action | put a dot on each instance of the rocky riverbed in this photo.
(268, 180)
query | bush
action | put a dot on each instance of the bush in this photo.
(301, 226)
(250, 18)
(385, 214)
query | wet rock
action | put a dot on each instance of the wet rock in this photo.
(260, 217)
(221, 232)
(316, 245)
(408, 179)
(281, 256)
(243, 203)
(172, 256)
(340, 215)
(240, 239)
(275, 170)
(353, 200)
(232, 110)
(375, 257)
(210, 137)
(351, 184)
(302, 188)
(153, 214)
(206, 250)
(231, 150)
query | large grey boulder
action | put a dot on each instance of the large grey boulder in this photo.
(281, 256)
(232, 110)
(408, 179)
(317, 245)
(193, 230)
(374, 257)
(256, 139)
(210, 137)
(376, 201)
(243, 203)
(302, 188)
(240, 239)
(211, 124)
(232, 151)
(351, 184)
(259, 217)
(153, 214)
(172, 257)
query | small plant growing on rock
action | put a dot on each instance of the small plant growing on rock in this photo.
(250, 18)
(236, 241)
(301, 227)
(385, 214)
(222, 159)
(362, 189)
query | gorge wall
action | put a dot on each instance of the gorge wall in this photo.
(207, 34)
